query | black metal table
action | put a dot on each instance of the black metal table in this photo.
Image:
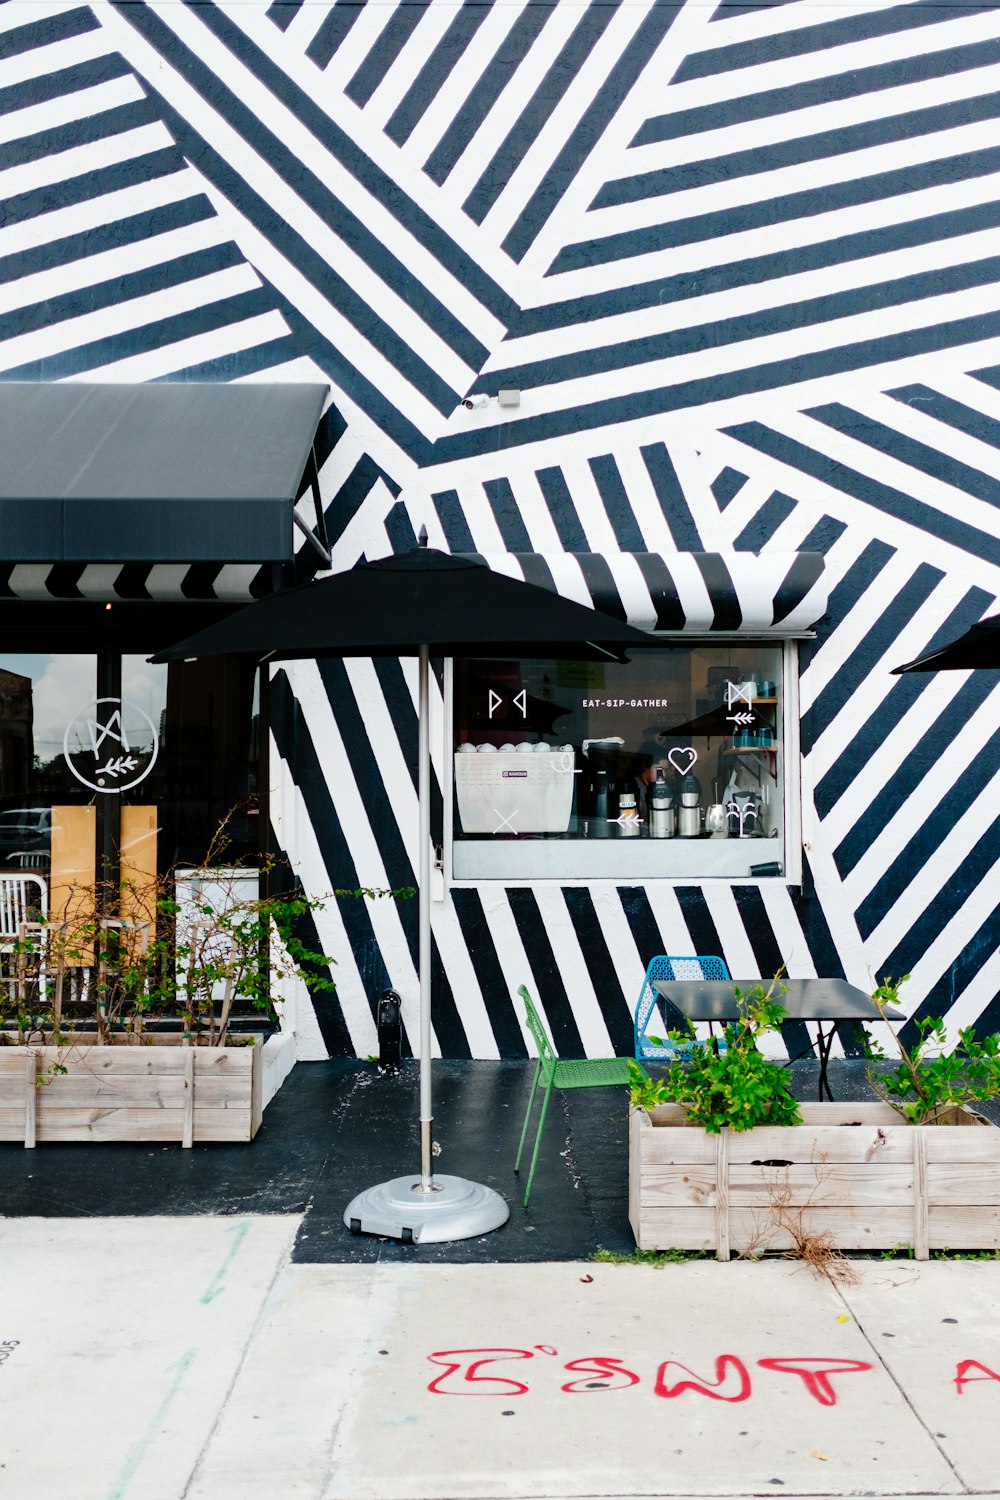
(818, 1000)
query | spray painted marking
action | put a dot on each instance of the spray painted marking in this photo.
(121, 1485)
(963, 1378)
(217, 1285)
(465, 1368)
(7, 1349)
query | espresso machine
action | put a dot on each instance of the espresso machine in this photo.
(689, 808)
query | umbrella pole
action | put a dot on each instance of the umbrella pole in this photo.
(424, 903)
(416, 1209)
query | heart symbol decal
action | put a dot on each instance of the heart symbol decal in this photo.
(686, 753)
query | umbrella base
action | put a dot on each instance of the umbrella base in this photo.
(454, 1209)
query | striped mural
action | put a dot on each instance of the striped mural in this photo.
(741, 265)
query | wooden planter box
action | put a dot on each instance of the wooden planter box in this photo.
(856, 1173)
(160, 1092)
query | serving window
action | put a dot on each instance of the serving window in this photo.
(674, 764)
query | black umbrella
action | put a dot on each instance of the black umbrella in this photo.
(419, 603)
(978, 647)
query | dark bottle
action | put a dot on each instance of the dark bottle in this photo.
(598, 826)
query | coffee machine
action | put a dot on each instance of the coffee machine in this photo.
(602, 785)
(689, 810)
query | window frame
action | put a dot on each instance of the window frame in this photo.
(794, 828)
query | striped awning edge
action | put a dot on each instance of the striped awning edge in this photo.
(110, 582)
(782, 593)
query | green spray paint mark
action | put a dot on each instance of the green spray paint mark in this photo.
(217, 1285)
(120, 1487)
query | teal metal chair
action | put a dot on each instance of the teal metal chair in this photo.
(552, 1072)
(670, 966)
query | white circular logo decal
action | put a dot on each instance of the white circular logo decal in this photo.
(111, 745)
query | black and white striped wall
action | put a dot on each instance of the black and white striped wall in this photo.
(741, 265)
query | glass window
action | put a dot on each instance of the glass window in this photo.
(165, 758)
(670, 765)
(36, 690)
(205, 780)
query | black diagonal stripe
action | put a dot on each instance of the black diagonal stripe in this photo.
(399, 528)
(662, 591)
(617, 1008)
(445, 1015)
(507, 514)
(830, 703)
(722, 593)
(935, 737)
(199, 580)
(800, 578)
(536, 571)
(617, 506)
(762, 526)
(699, 921)
(817, 38)
(769, 958)
(648, 941)
(383, 53)
(453, 522)
(823, 950)
(559, 500)
(856, 581)
(548, 982)
(63, 579)
(823, 535)
(965, 881)
(295, 746)
(676, 511)
(493, 986)
(48, 29)
(921, 847)
(601, 585)
(132, 580)
(933, 743)
(339, 19)
(403, 716)
(727, 485)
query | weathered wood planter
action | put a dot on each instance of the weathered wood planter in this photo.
(160, 1092)
(856, 1173)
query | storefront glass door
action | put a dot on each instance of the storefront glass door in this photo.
(111, 768)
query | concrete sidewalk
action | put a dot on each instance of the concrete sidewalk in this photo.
(192, 1359)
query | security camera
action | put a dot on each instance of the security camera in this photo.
(477, 401)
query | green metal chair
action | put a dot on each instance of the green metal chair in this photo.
(552, 1072)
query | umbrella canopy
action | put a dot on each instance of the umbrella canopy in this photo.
(420, 603)
(978, 647)
(455, 606)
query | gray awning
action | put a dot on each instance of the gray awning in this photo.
(162, 473)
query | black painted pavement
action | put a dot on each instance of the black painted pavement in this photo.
(337, 1127)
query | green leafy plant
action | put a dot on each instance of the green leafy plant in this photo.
(121, 957)
(935, 1075)
(734, 1087)
(637, 1257)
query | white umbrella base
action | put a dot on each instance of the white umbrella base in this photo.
(453, 1209)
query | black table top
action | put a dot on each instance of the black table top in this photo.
(803, 999)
